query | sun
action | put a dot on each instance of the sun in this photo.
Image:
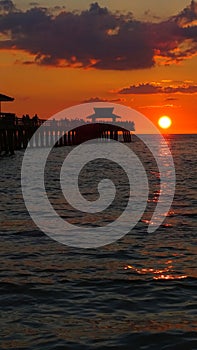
(165, 122)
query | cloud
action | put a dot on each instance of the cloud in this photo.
(141, 89)
(190, 89)
(171, 99)
(150, 89)
(34, 3)
(159, 106)
(149, 14)
(99, 99)
(98, 38)
(7, 6)
(188, 15)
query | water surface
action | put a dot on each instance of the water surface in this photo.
(137, 293)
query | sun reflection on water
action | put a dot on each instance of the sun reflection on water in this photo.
(166, 273)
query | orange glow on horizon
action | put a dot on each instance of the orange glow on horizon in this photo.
(47, 90)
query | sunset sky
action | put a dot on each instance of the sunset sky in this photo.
(143, 54)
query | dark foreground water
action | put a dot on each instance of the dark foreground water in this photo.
(137, 293)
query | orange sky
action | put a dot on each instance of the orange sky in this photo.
(47, 89)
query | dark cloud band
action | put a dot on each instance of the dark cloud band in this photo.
(97, 37)
(148, 89)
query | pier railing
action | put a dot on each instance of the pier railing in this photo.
(19, 133)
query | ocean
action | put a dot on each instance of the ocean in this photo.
(136, 293)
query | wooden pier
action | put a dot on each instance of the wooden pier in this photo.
(16, 134)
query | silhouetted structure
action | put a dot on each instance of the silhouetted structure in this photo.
(15, 134)
(18, 133)
(5, 98)
(103, 113)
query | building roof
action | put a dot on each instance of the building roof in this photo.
(106, 112)
(4, 98)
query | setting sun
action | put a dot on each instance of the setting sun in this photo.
(165, 122)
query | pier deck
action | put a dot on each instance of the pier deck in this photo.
(17, 134)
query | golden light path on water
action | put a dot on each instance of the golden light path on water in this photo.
(157, 274)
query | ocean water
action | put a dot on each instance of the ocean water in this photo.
(136, 293)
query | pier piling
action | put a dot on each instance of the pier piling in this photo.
(17, 135)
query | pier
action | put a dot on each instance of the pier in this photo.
(20, 133)
(15, 134)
